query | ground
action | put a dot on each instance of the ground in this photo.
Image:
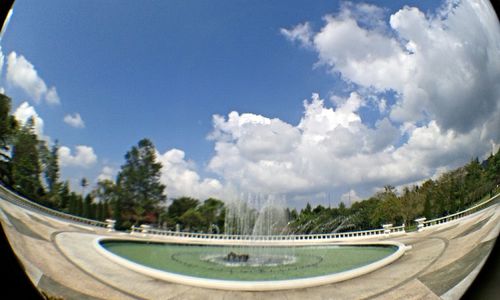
(60, 260)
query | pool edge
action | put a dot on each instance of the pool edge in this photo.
(271, 285)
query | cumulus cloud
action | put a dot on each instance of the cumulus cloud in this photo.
(24, 112)
(258, 154)
(443, 69)
(181, 178)
(22, 74)
(74, 120)
(331, 149)
(445, 66)
(107, 173)
(84, 156)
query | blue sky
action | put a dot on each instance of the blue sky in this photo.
(163, 69)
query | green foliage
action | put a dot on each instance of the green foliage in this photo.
(79, 206)
(26, 165)
(451, 192)
(87, 207)
(8, 128)
(139, 184)
(191, 220)
(100, 212)
(51, 169)
(180, 206)
(137, 195)
(107, 194)
(64, 196)
(212, 212)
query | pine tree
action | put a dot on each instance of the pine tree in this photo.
(140, 189)
(100, 211)
(107, 192)
(79, 206)
(87, 207)
(84, 183)
(8, 128)
(26, 165)
(51, 171)
(65, 196)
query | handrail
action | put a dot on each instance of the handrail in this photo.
(296, 237)
(460, 214)
(15, 198)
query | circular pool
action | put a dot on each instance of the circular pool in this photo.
(250, 267)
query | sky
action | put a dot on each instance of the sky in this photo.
(316, 102)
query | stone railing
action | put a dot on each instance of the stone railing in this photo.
(387, 230)
(19, 200)
(422, 223)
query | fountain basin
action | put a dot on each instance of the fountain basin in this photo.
(205, 266)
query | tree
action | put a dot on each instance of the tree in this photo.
(493, 168)
(84, 183)
(51, 171)
(412, 204)
(307, 210)
(8, 128)
(73, 203)
(79, 205)
(65, 195)
(26, 165)
(212, 212)
(87, 207)
(191, 220)
(139, 186)
(107, 195)
(180, 206)
(342, 209)
(389, 208)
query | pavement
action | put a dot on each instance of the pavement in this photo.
(60, 259)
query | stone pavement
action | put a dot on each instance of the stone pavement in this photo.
(60, 259)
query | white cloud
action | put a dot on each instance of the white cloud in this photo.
(350, 197)
(107, 173)
(301, 33)
(181, 178)
(21, 73)
(25, 112)
(271, 156)
(51, 96)
(445, 67)
(84, 156)
(74, 120)
(332, 150)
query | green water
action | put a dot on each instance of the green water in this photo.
(194, 260)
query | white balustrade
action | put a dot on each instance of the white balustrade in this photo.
(420, 225)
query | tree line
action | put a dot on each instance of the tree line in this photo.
(30, 166)
(453, 191)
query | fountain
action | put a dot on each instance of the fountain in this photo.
(254, 253)
(257, 216)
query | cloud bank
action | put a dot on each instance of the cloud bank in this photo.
(443, 70)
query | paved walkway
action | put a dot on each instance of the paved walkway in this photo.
(60, 260)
